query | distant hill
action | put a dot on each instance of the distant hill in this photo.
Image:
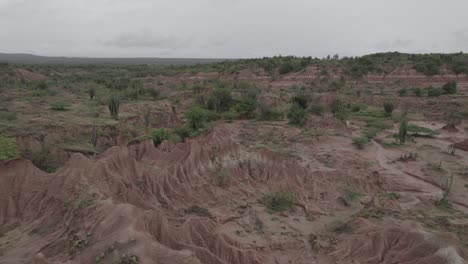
(33, 59)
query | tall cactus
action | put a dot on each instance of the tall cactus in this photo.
(94, 136)
(114, 104)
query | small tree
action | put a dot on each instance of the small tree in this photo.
(154, 93)
(450, 87)
(92, 92)
(297, 115)
(159, 135)
(338, 109)
(403, 131)
(196, 117)
(388, 107)
(114, 105)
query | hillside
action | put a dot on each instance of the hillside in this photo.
(271, 160)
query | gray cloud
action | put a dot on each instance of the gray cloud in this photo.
(398, 44)
(145, 39)
(461, 36)
(231, 28)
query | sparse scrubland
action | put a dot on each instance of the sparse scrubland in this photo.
(268, 160)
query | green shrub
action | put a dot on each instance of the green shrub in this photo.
(159, 135)
(434, 91)
(196, 117)
(286, 67)
(197, 88)
(154, 93)
(417, 91)
(450, 87)
(92, 92)
(58, 106)
(220, 100)
(338, 109)
(114, 105)
(43, 159)
(358, 107)
(198, 210)
(317, 109)
(9, 116)
(223, 178)
(246, 108)
(183, 131)
(231, 115)
(420, 131)
(351, 194)
(8, 148)
(402, 91)
(360, 142)
(388, 107)
(41, 85)
(297, 115)
(301, 100)
(267, 113)
(43, 93)
(279, 201)
(428, 64)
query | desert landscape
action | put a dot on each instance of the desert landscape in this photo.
(274, 160)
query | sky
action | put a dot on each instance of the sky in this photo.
(231, 28)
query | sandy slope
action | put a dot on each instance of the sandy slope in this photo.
(130, 204)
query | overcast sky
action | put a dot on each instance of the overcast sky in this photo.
(231, 28)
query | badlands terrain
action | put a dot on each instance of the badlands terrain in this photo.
(274, 160)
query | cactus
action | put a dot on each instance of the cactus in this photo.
(114, 104)
(147, 118)
(94, 136)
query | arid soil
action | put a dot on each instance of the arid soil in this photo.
(203, 200)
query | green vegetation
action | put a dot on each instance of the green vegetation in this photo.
(428, 64)
(297, 115)
(450, 87)
(279, 201)
(392, 196)
(196, 117)
(223, 178)
(159, 135)
(446, 188)
(114, 105)
(317, 109)
(198, 210)
(58, 106)
(434, 91)
(388, 107)
(220, 100)
(42, 158)
(351, 194)
(338, 108)
(360, 142)
(84, 202)
(403, 91)
(343, 228)
(92, 92)
(417, 91)
(403, 130)
(268, 113)
(8, 148)
(416, 130)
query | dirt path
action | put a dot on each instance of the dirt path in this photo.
(424, 185)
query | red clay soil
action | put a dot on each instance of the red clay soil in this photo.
(131, 204)
(462, 145)
(29, 75)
